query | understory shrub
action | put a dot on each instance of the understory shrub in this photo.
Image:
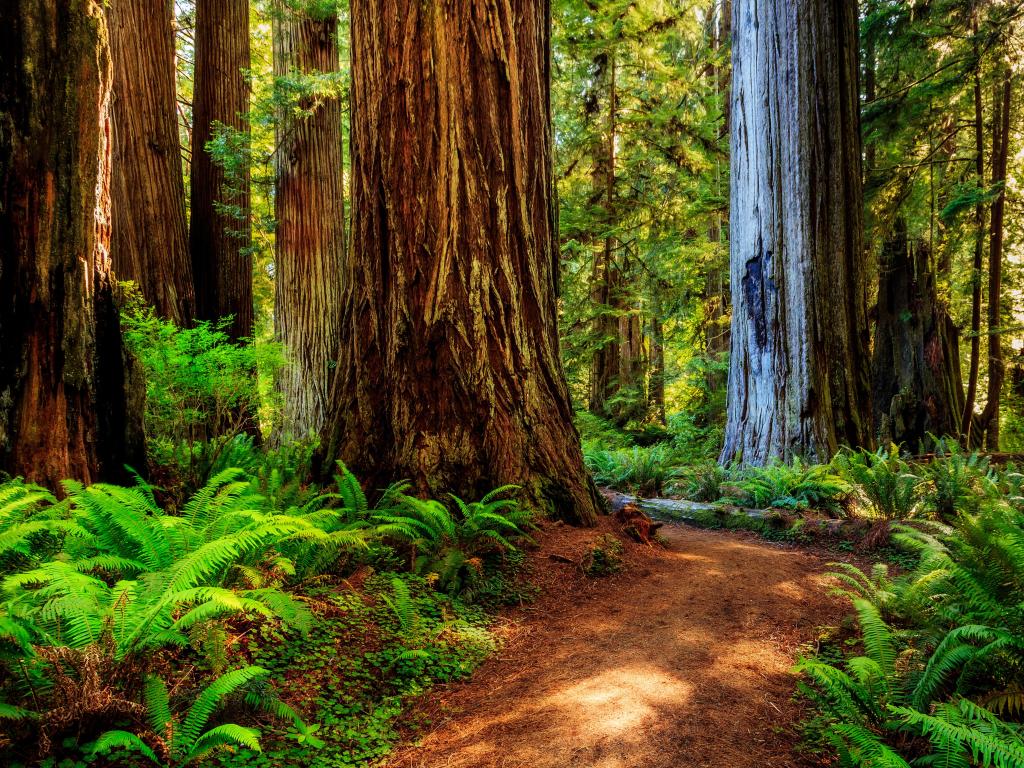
(645, 471)
(885, 486)
(120, 618)
(940, 680)
(796, 485)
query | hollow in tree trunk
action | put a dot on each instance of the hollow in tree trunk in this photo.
(450, 374)
(799, 368)
(63, 404)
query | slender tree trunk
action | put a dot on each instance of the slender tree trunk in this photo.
(917, 386)
(149, 238)
(310, 235)
(1000, 156)
(799, 374)
(967, 420)
(604, 370)
(656, 389)
(632, 372)
(63, 405)
(605, 367)
(450, 372)
(716, 283)
(221, 232)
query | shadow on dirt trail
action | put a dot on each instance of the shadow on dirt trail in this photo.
(681, 662)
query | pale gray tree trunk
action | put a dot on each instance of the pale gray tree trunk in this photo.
(799, 379)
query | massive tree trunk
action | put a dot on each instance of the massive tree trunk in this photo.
(799, 373)
(450, 373)
(63, 409)
(149, 237)
(1000, 156)
(917, 386)
(310, 235)
(221, 235)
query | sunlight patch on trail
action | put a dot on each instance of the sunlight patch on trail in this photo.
(621, 700)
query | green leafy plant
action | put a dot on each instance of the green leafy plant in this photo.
(956, 481)
(202, 389)
(796, 485)
(704, 482)
(604, 557)
(644, 470)
(450, 546)
(173, 739)
(883, 482)
(941, 679)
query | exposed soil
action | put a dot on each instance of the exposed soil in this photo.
(679, 661)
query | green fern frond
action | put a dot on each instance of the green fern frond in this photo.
(208, 701)
(123, 740)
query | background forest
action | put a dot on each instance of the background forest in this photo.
(640, 96)
(316, 316)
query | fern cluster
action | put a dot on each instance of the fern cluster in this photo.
(101, 591)
(796, 485)
(96, 587)
(941, 677)
(452, 546)
(644, 470)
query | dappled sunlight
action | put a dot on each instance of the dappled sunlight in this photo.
(619, 701)
(686, 664)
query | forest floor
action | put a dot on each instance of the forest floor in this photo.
(680, 660)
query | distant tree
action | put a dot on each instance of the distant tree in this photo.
(310, 209)
(149, 235)
(63, 405)
(799, 366)
(220, 234)
(450, 374)
(917, 387)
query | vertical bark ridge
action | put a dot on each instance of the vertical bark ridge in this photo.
(63, 410)
(149, 236)
(799, 373)
(450, 374)
(310, 235)
(219, 240)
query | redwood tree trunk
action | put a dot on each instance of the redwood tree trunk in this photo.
(607, 286)
(968, 419)
(799, 373)
(149, 237)
(917, 385)
(450, 373)
(1000, 156)
(221, 233)
(632, 368)
(63, 409)
(656, 389)
(310, 235)
(604, 367)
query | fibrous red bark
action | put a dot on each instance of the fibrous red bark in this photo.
(450, 374)
(63, 403)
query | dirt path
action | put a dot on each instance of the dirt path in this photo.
(680, 662)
